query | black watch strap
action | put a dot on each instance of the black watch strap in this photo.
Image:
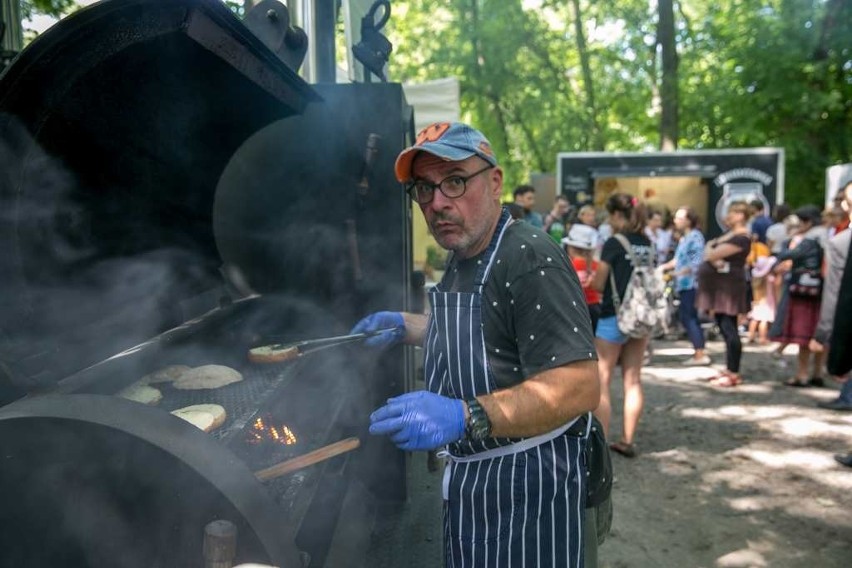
(478, 425)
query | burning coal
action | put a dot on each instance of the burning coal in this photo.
(265, 430)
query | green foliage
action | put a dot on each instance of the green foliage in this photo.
(436, 257)
(50, 7)
(751, 73)
(787, 82)
(55, 8)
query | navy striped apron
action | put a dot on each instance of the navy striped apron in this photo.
(507, 502)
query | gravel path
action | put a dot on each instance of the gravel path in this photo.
(731, 477)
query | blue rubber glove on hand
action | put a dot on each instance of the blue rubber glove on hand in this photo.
(420, 420)
(382, 320)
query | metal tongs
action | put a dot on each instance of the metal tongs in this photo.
(286, 351)
(311, 345)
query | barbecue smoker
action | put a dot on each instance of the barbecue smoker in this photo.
(173, 193)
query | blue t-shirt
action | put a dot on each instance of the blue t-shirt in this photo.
(535, 219)
(759, 226)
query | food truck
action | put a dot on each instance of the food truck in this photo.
(707, 180)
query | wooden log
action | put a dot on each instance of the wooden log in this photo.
(311, 458)
(220, 544)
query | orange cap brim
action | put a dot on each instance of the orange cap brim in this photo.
(402, 168)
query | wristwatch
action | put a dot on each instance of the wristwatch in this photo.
(478, 425)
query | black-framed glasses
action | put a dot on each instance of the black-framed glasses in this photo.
(454, 186)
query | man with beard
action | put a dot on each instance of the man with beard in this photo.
(510, 365)
(525, 198)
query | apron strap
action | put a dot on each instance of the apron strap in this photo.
(511, 449)
(488, 256)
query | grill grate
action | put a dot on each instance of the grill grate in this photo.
(307, 395)
(240, 400)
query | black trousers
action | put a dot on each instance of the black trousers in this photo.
(733, 346)
(595, 315)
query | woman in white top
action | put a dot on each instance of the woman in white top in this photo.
(661, 238)
(777, 232)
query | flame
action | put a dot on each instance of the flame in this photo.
(261, 431)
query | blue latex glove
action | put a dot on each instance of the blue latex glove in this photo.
(420, 420)
(382, 320)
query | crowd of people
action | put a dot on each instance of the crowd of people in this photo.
(763, 280)
(528, 324)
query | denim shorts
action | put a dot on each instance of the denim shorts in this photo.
(608, 330)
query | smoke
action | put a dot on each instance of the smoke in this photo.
(77, 286)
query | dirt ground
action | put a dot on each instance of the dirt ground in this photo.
(741, 477)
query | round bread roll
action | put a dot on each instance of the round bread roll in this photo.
(269, 354)
(207, 377)
(205, 417)
(165, 375)
(142, 394)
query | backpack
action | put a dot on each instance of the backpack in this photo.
(644, 310)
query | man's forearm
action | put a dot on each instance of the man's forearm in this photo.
(415, 328)
(543, 402)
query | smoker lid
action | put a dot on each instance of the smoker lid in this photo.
(92, 480)
(115, 126)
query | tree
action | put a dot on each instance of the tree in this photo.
(668, 84)
(783, 83)
(588, 81)
(517, 72)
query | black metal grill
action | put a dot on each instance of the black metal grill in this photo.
(160, 151)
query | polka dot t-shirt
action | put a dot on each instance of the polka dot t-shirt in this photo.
(534, 312)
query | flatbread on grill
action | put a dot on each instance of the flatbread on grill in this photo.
(207, 377)
(165, 375)
(140, 393)
(205, 417)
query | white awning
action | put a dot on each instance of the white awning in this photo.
(434, 101)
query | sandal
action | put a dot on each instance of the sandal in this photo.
(816, 382)
(626, 450)
(797, 383)
(728, 381)
(723, 375)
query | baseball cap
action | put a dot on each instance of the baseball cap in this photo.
(452, 141)
(582, 237)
